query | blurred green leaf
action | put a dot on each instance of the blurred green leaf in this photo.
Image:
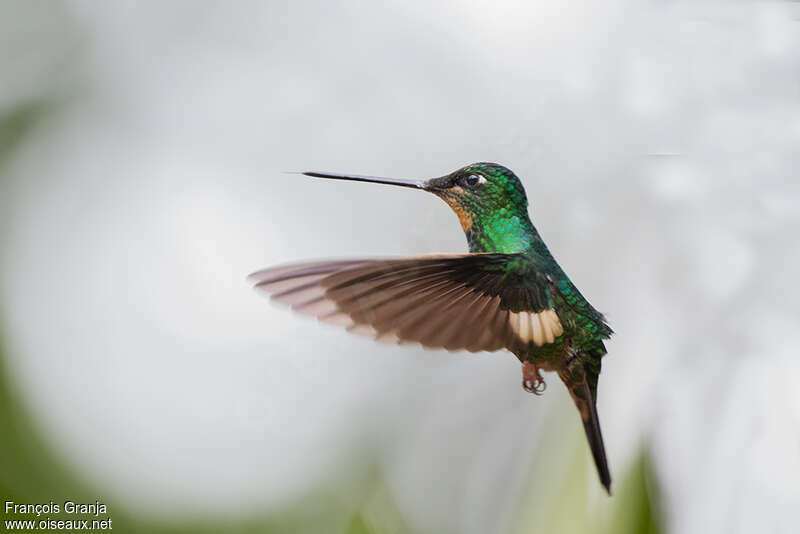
(636, 509)
(358, 526)
(15, 124)
(565, 496)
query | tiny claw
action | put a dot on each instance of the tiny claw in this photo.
(536, 387)
(532, 380)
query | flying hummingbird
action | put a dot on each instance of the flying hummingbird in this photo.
(507, 293)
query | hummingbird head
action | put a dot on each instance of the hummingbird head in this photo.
(488, 199)
(480, 193)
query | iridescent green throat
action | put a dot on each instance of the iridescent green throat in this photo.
(501, 231)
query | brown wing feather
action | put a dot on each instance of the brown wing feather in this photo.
(449, 302)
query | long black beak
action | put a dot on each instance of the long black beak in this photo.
(417, 184)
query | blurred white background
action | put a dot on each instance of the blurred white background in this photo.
(658, 142)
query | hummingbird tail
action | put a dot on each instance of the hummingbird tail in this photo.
(585, 400)
(592, 427)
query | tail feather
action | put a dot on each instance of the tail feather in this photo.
(591, 424)
(585, 400)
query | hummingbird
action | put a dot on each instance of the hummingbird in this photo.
(507, 293)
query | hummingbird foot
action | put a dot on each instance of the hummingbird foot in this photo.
(532, 380)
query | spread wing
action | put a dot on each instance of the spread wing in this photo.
(476, 302)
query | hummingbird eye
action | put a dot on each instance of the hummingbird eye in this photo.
(474, 179)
